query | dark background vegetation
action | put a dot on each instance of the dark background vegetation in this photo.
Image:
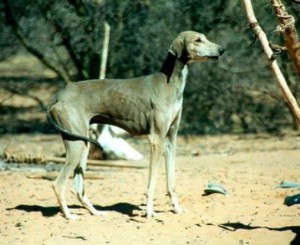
(237, 94)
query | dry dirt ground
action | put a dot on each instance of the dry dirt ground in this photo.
(249, 167)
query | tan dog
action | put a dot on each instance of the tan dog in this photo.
(149, 105)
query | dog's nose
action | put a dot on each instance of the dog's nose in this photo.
(221, 50)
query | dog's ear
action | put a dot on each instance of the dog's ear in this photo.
(177, 47)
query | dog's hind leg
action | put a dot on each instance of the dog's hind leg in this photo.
(73, 158)
(156, 144)
(79, 183)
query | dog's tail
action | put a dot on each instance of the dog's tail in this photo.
(67, 134)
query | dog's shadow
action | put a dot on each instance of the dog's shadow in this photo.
(46, 211)
(240, 226)
(123, 208)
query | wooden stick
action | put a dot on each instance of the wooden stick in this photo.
(100, 163)
(273, 63)
(102, 73)
(53, 175)
(104, 51)
(39, 159)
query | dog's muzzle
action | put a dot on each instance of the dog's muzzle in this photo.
(215, 57)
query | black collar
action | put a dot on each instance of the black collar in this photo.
(169, 63)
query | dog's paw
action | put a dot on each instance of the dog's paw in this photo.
(179, 210)
(99, 213)
(72, 217)
(151, 214)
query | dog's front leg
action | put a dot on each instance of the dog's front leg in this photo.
(170, 152)
(171, 178)
(156, 144)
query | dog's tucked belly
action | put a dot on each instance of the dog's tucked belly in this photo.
(138, 125)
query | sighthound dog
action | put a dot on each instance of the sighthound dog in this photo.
(149, 105)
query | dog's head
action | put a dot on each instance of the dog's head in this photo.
(191, 46)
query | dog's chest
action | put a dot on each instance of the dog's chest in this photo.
(180, 84)
(179, 92)
(184, 74)
(180, 88)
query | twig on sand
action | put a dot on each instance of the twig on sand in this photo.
(40, 159)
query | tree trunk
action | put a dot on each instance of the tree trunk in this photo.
(273, 63)
(287, 27)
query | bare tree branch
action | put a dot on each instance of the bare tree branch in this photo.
(11, 21)
(26, 94)
(275, 68)
(65, 37)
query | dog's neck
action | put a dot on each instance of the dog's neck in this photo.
(173, 66)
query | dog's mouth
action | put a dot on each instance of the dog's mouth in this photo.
(212, 57)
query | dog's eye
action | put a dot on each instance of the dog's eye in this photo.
(198, 40)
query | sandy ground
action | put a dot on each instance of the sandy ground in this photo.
(249, 167)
